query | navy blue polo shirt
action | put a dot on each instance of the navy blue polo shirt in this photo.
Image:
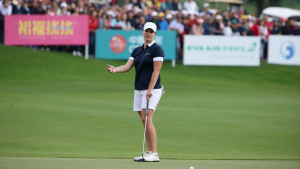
(143, 62)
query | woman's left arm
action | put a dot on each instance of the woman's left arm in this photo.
(156, 69)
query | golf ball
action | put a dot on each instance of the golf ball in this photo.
(191, 167)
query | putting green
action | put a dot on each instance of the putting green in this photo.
(81, 163)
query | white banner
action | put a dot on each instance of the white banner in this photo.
(221, 50)
(284, 50)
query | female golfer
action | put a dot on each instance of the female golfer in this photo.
(147, 60)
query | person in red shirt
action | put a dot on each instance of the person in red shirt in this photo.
(93, 25)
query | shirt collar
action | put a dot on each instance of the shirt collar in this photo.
(150, 44)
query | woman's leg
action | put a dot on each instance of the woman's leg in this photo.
(150, 130)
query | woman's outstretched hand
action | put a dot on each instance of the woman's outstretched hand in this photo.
(110, 68)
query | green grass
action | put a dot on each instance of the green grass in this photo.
(57, 105)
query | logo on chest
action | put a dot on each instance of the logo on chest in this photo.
(147, 54)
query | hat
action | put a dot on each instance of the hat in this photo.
(161, 14)
(218, 17)
(111, 13)
(154, 13)
(169, 16)
(63, 5)
(205, 5)
(150, 25)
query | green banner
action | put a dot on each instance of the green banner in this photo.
(118, 44)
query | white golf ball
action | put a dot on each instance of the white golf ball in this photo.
(191, 167)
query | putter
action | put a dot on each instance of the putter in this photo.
(145, 127)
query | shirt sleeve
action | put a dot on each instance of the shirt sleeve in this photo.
(132, 56)
(158, 54)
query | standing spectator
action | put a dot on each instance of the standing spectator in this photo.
(155, 20)
(163, 24)
(117, 22)
(76, 49)
(64, 10)
(176, 6)
(54, 9)
(227, 31)
(24, 10)
(206, 11)
(141, 4)
(169, 19)
(186, 25)
(254, 29)
(177, 26)
(190, 6)
(131, 19)
(276, 28)
(101, 19)
(126, 22)
(93, 24)
(219, 25)
(37, 8)
(263, 32)
(197, 29)
(235, 28)
(5, 8)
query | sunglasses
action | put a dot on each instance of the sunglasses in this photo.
(149, 31)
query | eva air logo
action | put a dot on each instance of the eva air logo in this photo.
(224, 48)
(252, 47)
(287, 49)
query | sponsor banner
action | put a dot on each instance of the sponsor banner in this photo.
(118, 44)
(284, 50)
(221, 50)
(46, 30)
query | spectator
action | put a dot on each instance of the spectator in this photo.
(235, 28)
(169, 19)
(276, 28)
(227, 31)
(263, 32)
(126, 23)
(190, 6)
(177, 26)
(116, 22)
(93, 24)
(24, 10)
(6, 8)
(163, 24)
(154, 19)
(176, 6)
(205, 10)
(64, 11)
(197, 29)
(219, 25)
(37, 8)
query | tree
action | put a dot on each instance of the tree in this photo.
(262, 4)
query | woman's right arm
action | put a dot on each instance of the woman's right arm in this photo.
(121, 69)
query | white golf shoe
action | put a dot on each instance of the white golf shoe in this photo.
(140, 158)
(151, 157)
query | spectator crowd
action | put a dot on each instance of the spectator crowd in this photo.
(184, 18)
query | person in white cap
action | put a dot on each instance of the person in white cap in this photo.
(147, 60)
(190, 6)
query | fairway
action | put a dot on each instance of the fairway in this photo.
(67, 110)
